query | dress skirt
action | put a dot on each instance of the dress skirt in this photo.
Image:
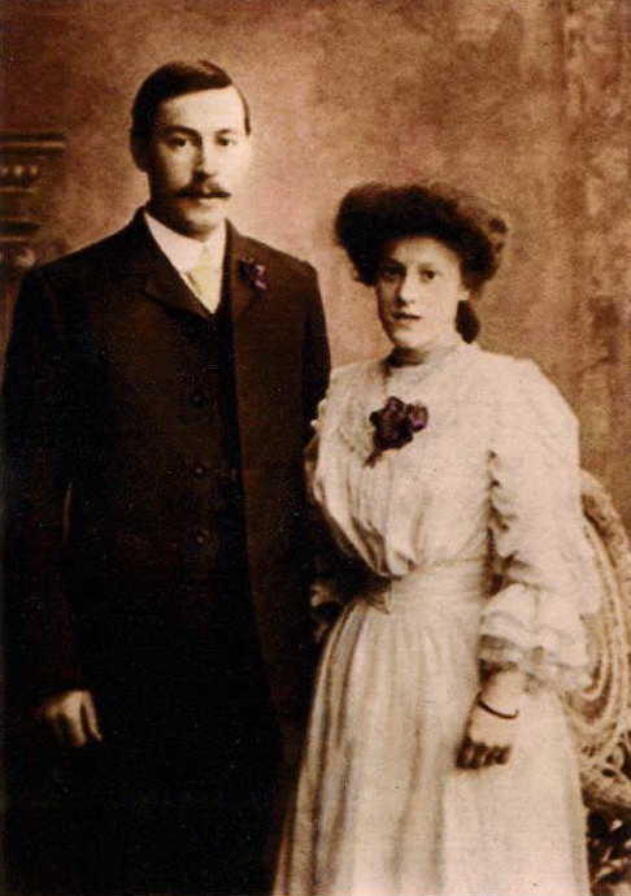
(381, 808)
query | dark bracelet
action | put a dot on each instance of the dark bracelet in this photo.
(496, 712)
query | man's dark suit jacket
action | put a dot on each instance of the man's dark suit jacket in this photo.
(118, 488)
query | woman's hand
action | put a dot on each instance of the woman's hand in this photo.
(488, 740)
(493, 721)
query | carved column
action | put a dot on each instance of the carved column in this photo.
(597, 81)
(598, 78)
(24, 157)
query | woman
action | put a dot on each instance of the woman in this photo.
(438, 760)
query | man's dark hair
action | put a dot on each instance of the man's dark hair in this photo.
(372, 215)
(174, 79)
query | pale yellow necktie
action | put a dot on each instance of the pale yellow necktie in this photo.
(205, 278)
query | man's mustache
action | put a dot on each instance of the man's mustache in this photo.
(197, 191)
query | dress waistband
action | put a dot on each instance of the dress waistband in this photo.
(450, 582)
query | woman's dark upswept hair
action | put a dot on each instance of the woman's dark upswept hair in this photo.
(175, 79)
(372, 215)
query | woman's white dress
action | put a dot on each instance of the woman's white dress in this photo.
(381, 808)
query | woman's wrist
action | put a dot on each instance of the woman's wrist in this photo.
(502, 691)
(498, 713)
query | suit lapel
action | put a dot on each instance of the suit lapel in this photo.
(164, 284)
(243, 294)
(154, 274)
(251, 311)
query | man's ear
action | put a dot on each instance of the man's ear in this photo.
(138, 148)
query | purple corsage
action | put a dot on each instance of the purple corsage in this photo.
(254, 273)
(395, 424)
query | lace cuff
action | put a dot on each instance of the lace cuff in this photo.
(542, 665)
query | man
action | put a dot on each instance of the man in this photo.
(158, 392)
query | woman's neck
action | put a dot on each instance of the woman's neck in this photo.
(403, 356)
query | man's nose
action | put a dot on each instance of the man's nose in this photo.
(207, 159)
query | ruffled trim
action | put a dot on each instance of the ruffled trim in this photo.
(363, 387)
(542, 666)
(534, 421)
(536, 620)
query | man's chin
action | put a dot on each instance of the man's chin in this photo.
(201, 223)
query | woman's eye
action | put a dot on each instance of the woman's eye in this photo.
(389, 275)
(427, 275)
(227, 141)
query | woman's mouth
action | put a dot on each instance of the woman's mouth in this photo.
(406, 316)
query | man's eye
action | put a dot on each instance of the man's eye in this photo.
(178, 142)
(428, 274)
(227, 141)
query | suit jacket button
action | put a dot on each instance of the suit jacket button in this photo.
(200, 471)
(198, 399)
(201, 537)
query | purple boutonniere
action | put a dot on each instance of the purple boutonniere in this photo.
(395, 424)
(254, 273)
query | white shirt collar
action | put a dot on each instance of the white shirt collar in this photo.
(183, 251)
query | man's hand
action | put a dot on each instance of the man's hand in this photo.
(72, 717)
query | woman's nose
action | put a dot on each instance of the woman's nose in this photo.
(409, 293)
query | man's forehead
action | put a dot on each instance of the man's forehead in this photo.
(213, 109)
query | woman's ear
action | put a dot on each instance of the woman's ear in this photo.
(467, 324)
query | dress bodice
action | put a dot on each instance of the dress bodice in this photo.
(494, 475)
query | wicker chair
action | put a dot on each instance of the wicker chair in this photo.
(600, 715)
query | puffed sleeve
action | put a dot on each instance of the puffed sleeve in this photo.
(547, 571)
(337, 570)
(326, 598)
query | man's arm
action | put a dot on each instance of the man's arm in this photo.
(38, 425)
(317, 360)
(317, 367)
(72, 718)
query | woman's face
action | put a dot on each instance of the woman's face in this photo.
(418, 288)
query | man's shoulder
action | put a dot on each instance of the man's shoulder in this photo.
(102, 255)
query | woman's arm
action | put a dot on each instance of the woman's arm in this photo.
(531, 628)
(493, 720)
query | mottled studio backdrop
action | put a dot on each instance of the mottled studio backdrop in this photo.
(522, 100)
